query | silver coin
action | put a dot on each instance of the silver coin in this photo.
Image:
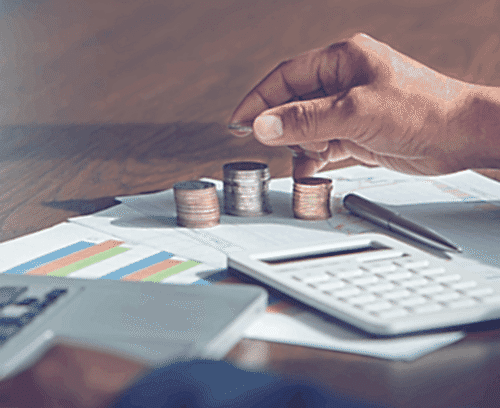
(246, 189)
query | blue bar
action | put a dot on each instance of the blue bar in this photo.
(60, 253)
(137, 266)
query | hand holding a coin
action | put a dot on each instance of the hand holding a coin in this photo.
(360, 98)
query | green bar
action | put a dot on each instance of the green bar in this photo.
(88, 261)
(159, 276)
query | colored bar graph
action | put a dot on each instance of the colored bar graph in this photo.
(151, 270)
(139, 265)
(64, 261)
(88, 261)
(60, 253)
(171, 271)
(74, 257)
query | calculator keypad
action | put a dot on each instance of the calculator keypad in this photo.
(394, 288)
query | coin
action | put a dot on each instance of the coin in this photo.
(246, 189)
(196, 204)
(311, 198)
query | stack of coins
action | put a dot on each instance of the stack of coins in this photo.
(197, 204)
(245, 189)
(311, 198)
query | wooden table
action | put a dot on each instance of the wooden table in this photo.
(101, 98)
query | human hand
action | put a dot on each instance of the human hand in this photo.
(360, 98)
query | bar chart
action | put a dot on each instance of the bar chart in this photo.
(100, 257)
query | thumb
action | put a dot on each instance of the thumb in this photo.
(306, 122)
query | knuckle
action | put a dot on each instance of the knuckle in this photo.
(347, 105)
(303, 119)
(359, 37)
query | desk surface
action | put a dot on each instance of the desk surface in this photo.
(107, 97)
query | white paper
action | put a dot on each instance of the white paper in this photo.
(310, 331)
(148, 223)
(280, 228)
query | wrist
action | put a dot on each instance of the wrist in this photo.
(474, 127)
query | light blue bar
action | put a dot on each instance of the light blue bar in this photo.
(60, 253)
(137, 266)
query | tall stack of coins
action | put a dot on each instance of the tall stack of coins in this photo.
(311, 198)
(245, 189)
(197, 204)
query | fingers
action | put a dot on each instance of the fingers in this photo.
(307, 163)
(315, 74)
(311, 124)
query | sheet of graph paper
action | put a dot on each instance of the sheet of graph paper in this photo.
(450, 204)
(280, 228)
(463, 207)
(74, 251)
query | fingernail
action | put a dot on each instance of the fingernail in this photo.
(268, 127)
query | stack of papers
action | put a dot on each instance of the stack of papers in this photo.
(139, 240)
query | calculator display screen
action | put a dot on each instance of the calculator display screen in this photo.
(373, 246)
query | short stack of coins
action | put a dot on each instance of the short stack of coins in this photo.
(197, 204)
(311, 198)
(246, 189)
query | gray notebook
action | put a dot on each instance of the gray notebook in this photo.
(155, 323)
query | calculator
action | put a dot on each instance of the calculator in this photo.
(376, 283)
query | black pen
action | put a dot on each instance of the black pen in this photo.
(396, 223)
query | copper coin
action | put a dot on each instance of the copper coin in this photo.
(196, 204)
(311, 198)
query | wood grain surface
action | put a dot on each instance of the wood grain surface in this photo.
(100, 98)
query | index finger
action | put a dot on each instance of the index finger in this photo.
(314, 74)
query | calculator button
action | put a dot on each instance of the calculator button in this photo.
(480, 292)
(491, 299)
(7, 331)
(446, 296)
(366, 280)
(9, 293)
(347, 292)
(464, 285)
(348, 273)
(381, 287)
(360, 300)
(462, 303)
(397, 294)
(414, 282)
(14, 311)
(429, 308)
(380, 267)
(330, 285)
(375, 307)
(413, 263)
(392, 314)
(429, 290)
(412, 301)
(313, 278)
(447, 278)
(399, 275)
(432, 271)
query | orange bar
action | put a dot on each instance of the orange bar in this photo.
(77, 256)
(151, 270)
